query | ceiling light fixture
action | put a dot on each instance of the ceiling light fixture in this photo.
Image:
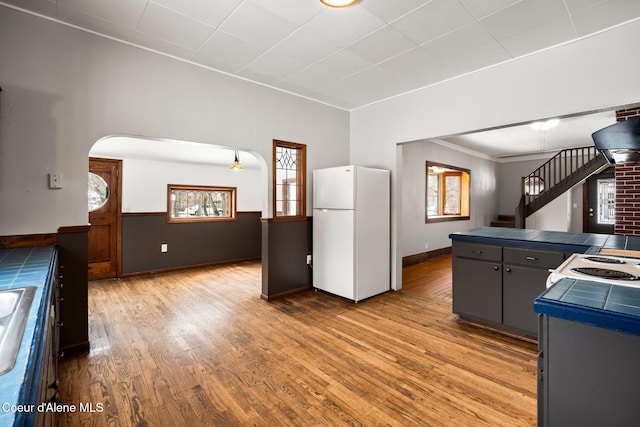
(236, 166)
(339, 3)
(546, 125)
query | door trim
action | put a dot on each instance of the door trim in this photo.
(118, 166)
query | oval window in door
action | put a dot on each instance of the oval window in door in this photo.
(98, 192)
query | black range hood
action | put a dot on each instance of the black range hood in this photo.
(620, 142)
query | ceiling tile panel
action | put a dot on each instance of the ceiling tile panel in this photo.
(523, 17)
(382, 44)
(605, 14)
(126, 13)
(551, 33)
(103, 26)
(274, 65)
(580, 5)
(164, 46)
(460, 42)
(165, 24)
(257, 25)
(45, 7)
(226, 52)
(345, 26)
(483, 8)
(295, 11)
(306, 45)
(328, 70)
(360, 88)
(433, 20)
(389, 11)
(209, 12)
(416, 68)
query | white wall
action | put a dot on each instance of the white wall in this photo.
(576, 207)
(483, 203)
(587, 75)
(64, 89)
(144, 183)
(510, 182)
(555, 216)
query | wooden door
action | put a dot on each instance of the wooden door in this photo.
(104, 217)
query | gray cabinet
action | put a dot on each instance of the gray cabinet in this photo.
(587, 375)
(477, 281)
(498, 284)
(525, 273)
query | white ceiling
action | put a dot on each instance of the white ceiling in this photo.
(353, 56)
(167, 150)
(343, 57)
(524, 139)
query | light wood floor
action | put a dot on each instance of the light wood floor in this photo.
(201, 348)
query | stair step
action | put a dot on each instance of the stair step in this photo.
(504, 224)
(506, 218)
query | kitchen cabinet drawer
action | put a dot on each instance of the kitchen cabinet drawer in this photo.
(533, 257)
(477, 251)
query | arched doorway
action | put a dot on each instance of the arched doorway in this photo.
(147, 241)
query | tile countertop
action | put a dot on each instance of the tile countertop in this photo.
(24, 267)
(577, 242)
(594, 303)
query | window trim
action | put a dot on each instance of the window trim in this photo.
(232, 190)
(465, 196)
(301, 178)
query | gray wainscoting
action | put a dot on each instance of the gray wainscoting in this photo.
(286, 245)
(189, 244)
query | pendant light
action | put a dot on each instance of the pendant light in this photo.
(236, 166)
(339, 3)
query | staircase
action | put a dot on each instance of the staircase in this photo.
(507, 221)
(558, 175)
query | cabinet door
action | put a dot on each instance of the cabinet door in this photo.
(521, 285)
(477, 289)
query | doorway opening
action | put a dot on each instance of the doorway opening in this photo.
(145, 240)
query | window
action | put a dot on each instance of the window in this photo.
(533, 185)
(447, 197)
(187, 203)
(289, 187)
(606, 201)
(98, 192)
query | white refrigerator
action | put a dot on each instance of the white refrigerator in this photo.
(351, 231)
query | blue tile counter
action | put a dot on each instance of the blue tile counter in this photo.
(593, 303)
(573, 242)
(21, 267)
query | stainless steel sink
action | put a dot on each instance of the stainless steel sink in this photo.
(14, 311)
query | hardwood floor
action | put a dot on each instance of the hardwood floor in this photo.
(201, 348)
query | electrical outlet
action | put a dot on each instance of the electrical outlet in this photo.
(163, 247)
(308, 259)
(55, 180)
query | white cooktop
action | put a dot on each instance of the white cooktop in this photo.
(599, 268)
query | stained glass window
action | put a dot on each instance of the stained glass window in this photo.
(289, 166)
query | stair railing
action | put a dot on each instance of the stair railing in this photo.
(555, 177)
